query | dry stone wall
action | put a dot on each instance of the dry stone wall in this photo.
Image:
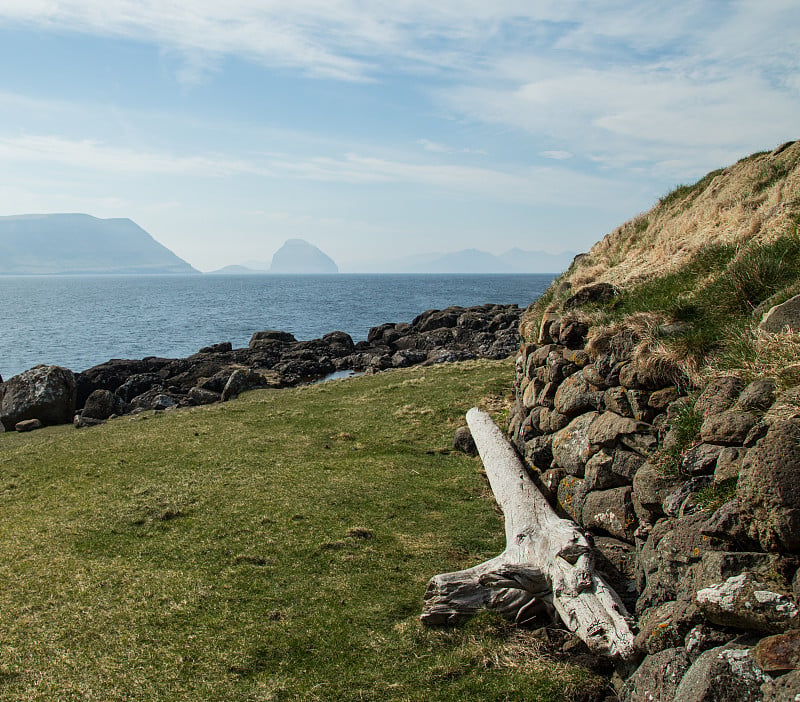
(699, 536)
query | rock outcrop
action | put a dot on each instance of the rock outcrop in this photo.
(625, 414)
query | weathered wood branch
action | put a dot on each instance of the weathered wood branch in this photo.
(548, 561)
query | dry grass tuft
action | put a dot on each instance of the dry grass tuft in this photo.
(758, 354)
(637, 327)
(661, 358)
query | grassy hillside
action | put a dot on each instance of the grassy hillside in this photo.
(272, 548)
(696, 273)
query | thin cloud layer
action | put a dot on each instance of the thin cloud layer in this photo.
(529, 185)
(677, 73)
(529, 113)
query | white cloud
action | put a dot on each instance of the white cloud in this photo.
(557, 155)
(351, 39)
(89, 154)
(676, 89)
(669, 89)
(678, 73)
(433, 146)
(520, 185)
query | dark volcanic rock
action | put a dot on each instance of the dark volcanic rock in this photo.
(610, 511)
(408, 357)
(241, 381)
(438, 319)
(779, 653)
(718, 395)
(435, 336)
(769, 488)
(266, 338)
(217, 348)
(745, 601)
(671, 547)
(154, 399)
(650, 486)
(657, 678)
(573, 334)
(727, 428)
(463, 441)
(112, 374)
(596, 293)
(204, 397)
(137, 385)
(725, 674)
(101, 404)
(759, 395)
(782, 317)
(339, 343)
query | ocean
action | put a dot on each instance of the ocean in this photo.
(80, 321)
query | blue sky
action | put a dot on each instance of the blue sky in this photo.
(386, 128)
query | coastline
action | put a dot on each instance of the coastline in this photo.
(78, 322)
(273, 358)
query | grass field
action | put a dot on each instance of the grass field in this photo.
(276, 547)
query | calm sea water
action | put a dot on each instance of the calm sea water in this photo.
(78, 322)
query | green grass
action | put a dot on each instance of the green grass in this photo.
(272, 548)
(686, 432)
(714, 296)
(688, 192)
(712, 497)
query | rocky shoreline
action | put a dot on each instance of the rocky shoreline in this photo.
(273, 359)
(693, 502)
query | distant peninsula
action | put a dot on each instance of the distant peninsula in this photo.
(295, 257)
(79, 244)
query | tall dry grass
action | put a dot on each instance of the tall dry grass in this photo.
(757, 198)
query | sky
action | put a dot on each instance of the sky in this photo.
(384, 128)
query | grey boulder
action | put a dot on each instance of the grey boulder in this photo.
(783, 316)
(657, 678)
(768, 489)
(46, 393)
(724, 674)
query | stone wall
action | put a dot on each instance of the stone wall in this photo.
(693, 501)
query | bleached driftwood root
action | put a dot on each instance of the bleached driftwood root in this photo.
(547, 562)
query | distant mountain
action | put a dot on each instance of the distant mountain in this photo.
(257, 266)
(298, 256)
(50, 244)
(237, 270)
(537, 261)
(477, 261)
(466, 261)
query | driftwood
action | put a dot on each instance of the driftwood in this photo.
(548, 561)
